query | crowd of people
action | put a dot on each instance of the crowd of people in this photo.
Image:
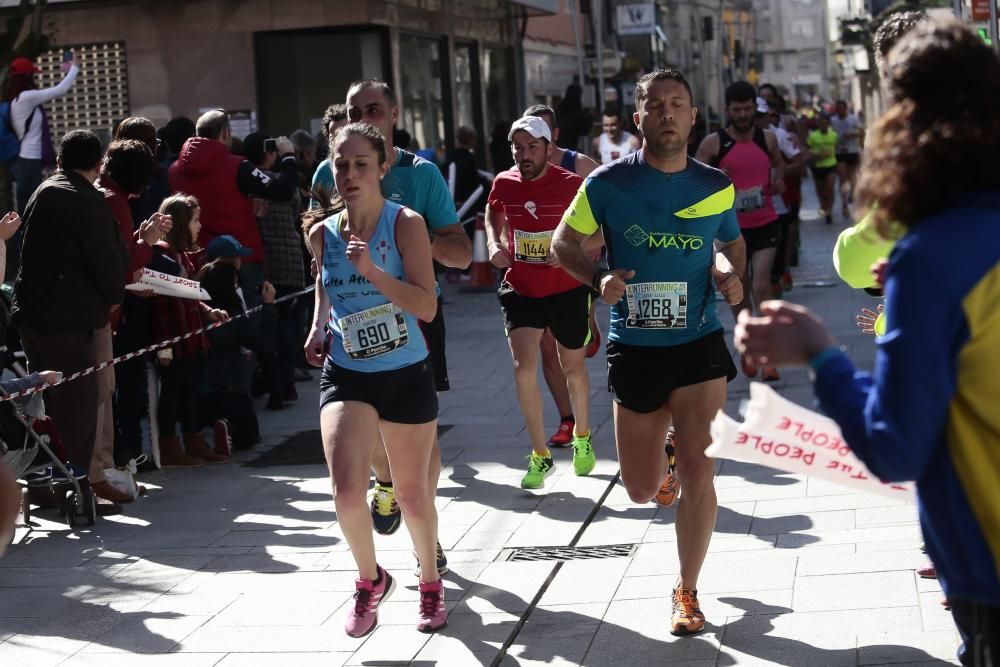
(654, 227)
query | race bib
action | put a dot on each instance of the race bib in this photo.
(373, 332)
(531, 247)
(656, 305)
(750, 200)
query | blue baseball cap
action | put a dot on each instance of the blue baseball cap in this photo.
(226, 246)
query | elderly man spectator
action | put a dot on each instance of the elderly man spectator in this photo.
(224, 183)
(73, 268)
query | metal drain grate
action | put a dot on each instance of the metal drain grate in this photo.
(568, 553)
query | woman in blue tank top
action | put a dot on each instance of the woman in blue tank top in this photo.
(376, 280)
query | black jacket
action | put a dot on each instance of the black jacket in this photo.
(224, 365)
(73, 260)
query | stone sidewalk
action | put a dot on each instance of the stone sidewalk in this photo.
(245, 564)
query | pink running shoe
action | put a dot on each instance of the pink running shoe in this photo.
(433, 615)
(368, 595)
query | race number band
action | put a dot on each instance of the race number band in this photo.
(751, 199)
(656, 305)
(373, 332)
(532, 247)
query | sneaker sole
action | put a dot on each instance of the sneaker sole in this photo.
(657, 501)
(392, 529)
(583, 473)
(544, 477)
(429, 630)
(683, 631)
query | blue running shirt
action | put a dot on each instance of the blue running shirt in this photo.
(663, 227)
(418, 185)
(370, 333)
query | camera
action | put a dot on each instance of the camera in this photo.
(270, 146)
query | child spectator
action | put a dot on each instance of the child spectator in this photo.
(181, 364)
(228, 395)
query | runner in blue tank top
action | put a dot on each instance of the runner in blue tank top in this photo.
(671, 233)
(555, 379)
(377, 280)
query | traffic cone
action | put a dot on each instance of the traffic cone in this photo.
(482, 277)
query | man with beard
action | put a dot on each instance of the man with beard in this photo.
(751, 158)
(671, 229)
(524, 207)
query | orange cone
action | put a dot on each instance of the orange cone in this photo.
(482, 277)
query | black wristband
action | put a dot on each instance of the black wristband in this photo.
(595, 282)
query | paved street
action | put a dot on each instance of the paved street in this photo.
(244, 564)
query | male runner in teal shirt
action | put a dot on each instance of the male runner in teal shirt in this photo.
(671, 233)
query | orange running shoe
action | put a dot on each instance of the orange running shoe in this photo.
(770, 374)
(749, 368)
(670, 490)
(687, 618)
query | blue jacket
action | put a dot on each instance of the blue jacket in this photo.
(930, 411)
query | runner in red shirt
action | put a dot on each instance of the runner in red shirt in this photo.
(524, 208)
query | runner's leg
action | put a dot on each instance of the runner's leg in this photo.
(694, 408)
(409, 447)
(350, 431)
(572, 362)
(763, 261)
(554, 377)
(641, 455)
(524, 346)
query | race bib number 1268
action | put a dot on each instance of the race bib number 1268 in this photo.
(656, 305)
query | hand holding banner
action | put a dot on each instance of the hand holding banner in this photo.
(168, 285)
(780, 434)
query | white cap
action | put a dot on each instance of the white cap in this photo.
(533, 125)
(762, 106)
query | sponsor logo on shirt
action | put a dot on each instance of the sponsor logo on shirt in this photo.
(638, 237)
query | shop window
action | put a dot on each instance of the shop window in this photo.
(420, 91)
(98, 98)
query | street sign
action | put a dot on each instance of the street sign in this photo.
(981, 10)
(637, 19)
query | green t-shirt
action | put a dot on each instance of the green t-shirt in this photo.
(824, 147)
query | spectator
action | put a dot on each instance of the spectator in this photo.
(228, 394)
(462, 172)
(323, 188)
(128, 166)
(223, 185)
(500, 154)
(284, 267)
(30, 124)
(574, 122)
(73, 267)
(147, 202)
(181, 364)
(174, 134)
(305, 158)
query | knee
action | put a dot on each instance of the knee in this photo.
(413, 499)
(524, 372)
(641, 488)
(349, 495)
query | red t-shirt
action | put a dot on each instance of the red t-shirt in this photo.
(533, 210)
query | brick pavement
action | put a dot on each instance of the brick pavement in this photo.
(237, 565)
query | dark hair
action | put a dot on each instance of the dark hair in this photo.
(333, 114)
(611, 112)
(211, 124)
(539, 110)
(180, 208)
(465, 136)
(138, 128)
(378, 84)
(130, 164)
(740, 91)
(81, 150)
(642, 85)
(938, 138)
(253, 147)
(176, 132)
(17, 84)
(327, 206)
(769, 86)
(892, 29)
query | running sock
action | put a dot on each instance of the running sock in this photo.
(385, 484)
(568, 418)
(580, 435)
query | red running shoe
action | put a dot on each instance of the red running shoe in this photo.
(564, 436)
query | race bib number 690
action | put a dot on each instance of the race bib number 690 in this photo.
(373, 332)
(656, 305)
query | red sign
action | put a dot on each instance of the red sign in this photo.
(981, 10)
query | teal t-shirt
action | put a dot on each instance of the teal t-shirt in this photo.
(663, 227)
(323, 182)
(418, 184)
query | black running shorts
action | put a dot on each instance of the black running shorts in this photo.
(761, 238)
(404, 396)
(566, 315)
(434, 334)
(642, 378)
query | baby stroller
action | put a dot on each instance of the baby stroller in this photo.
(31, 446)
